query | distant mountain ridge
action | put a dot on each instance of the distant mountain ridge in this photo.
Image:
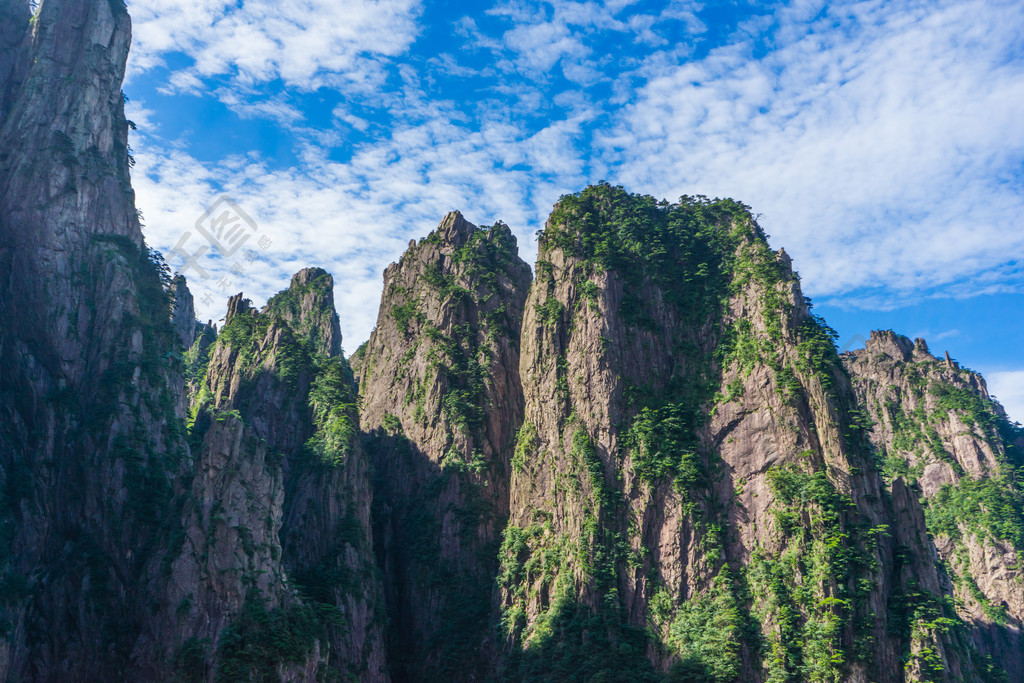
(643, 460)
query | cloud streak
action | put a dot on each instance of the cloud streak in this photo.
(306, 43)
(880, 140)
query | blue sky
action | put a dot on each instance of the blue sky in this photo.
(881, 143)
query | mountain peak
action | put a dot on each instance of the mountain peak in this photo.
(454, 228)
(308, 307)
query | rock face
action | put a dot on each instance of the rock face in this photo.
(650, 463)
(441, 398)
(693, 493)
(941, 438)
(158, 520)
(277, 570)
(89, 438)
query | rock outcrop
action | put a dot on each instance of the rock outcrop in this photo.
(278, 571)
(650, 463)
(693, 493)
(949, 446)
(89, 440)
(441, 398)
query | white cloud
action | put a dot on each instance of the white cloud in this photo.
(1008, 388)
(355, 218)
(275, 109)
(566, 35)
(882, 141)
(305, 43)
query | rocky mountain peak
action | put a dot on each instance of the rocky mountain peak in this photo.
(890, 344)
(455, 229)
(439, 381)
(944, 443)
(238, 305)
(183, 316)
(308, 307)
(921, 349)
(276, 419)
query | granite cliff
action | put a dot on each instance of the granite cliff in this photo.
(645, 460)
(173, 506)
(441, 402)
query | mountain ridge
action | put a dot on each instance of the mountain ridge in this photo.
(645, 460)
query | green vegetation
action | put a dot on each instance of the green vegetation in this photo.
(259, 641)
(585, 455)
(684, 249)
(967, 404)
(461, 362)
(569, 641)
(191, 660)
(325, 584)
(294, 354)
(392, 424)
(663, 442)
(928, 624)
(580, 647)
(403, 313)
(817, 355)
(196, 359)
(590, 294)
(816, 589)
(913, 433)
(526, 444)
(447, 285)
(990, 508)
(487, 253)
(333, 403)
(706, 631)
(922, 621)
(550, 312)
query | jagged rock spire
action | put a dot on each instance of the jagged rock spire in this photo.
(308, 306)
(440, 394)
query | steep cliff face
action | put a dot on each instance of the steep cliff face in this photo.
(308, 307)
(651, 464)
(441, 396)
(276, 572)
(89, 438)
(691, 489)
(940, 436)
